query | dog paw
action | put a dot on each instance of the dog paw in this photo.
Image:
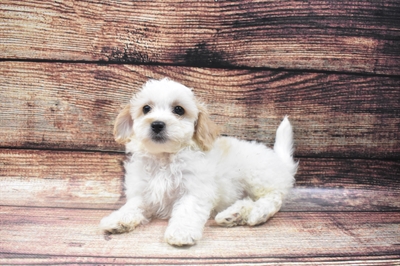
(181, 237)
(120, 222)
(229, 219)
(256, 219)
(259, 216)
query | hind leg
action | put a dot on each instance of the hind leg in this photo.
(236, 214)
(264, 208)
(246, 211)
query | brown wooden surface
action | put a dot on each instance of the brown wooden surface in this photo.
(73, 233)
(94, 180)
(73, 106)
(68, 67)
(355, 36)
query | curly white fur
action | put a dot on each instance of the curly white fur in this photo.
(179, 168)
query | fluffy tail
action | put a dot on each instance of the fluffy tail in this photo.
(284, 144)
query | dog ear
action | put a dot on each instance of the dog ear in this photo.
(206, 131)
(123, 127)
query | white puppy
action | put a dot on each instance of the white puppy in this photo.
(180, 169)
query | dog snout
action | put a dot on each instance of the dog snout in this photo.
(157, 126)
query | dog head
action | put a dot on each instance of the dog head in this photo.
(165, 117)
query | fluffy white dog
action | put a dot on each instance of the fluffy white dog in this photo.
(179, 168)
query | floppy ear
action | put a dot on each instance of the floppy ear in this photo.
(123, 127)
(206, 131)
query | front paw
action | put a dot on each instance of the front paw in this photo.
(120, 222)
(181, 236)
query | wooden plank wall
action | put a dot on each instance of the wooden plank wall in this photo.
(67, 68)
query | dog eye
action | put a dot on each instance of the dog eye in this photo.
(146, 109)
(179, 110)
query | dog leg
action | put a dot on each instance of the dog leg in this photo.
(246, 211)
(187, 221)
(265, 207)
(236, 214)
(125, 219)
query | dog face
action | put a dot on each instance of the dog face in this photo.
(164, 117)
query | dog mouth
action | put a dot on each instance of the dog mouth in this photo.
(158, 138)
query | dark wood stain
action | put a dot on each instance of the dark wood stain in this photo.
(356, 36)
(202, 55)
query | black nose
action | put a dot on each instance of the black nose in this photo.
(157, 126)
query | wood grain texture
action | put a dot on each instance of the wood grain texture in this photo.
(69, 234)
(355, 36)
(16, 259)
(73, 106)
(94, 180)
(68, 67)
(61, 179)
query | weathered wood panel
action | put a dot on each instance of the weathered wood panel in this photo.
(94, 180)
(16, 259)
(343, 210)
(73, 106)
(356, 36)
(61, 179)
(48, 233)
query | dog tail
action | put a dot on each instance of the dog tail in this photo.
(284, 144)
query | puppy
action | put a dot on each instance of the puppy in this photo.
(179, 168)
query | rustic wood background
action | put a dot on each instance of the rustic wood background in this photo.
(67, 68)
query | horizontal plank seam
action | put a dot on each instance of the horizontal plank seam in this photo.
(327, 258)
(113, 209)
(233, 67)
(388, 159)
(62, 150)
(66, 208)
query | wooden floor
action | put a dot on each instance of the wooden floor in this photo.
(56, 235)
(68, 67)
